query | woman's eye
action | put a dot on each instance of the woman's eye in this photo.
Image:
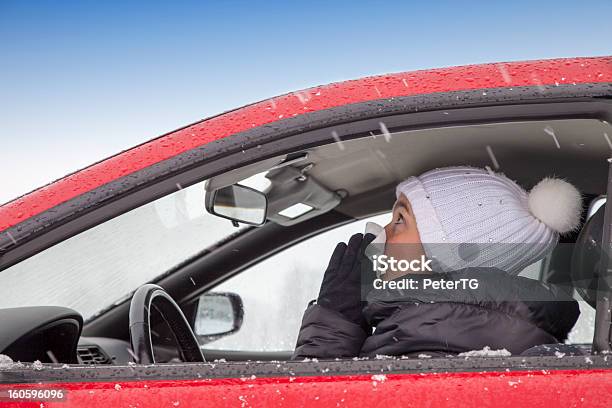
(400, 219)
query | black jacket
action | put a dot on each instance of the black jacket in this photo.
(506, 311)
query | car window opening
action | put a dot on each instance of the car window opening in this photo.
(360, 180)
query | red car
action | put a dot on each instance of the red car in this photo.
(83, 258)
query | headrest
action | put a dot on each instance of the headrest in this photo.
(586, 257)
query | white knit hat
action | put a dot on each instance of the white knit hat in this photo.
(469, 217)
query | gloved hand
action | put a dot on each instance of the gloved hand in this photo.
(341, 286)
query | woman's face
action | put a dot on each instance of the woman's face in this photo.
(403, 240)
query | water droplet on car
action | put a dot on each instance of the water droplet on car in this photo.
(385, 131)
(492, 157)
(550, 131)
(338, 140)
(607, 138)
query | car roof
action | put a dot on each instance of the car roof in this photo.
(284, 107)
(573, 149)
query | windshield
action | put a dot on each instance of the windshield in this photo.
(103, 265)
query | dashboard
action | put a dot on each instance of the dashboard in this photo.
(52, 334)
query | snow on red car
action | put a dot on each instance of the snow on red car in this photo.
(177, 272)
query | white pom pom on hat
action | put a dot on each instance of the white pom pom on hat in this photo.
(557, 203)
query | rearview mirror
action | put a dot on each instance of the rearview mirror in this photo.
(218, 315)
(238, 203)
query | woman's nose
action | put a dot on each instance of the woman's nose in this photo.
(389, 230)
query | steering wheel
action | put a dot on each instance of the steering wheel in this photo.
(144, 298)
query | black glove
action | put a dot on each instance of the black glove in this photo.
(341, 286)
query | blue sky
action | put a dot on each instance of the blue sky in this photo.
(82, 80)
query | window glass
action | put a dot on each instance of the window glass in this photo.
(276, 292)
(91, 270)
(583, 330)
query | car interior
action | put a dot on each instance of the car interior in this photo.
(285, 200)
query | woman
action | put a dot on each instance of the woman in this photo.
(471, 232)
